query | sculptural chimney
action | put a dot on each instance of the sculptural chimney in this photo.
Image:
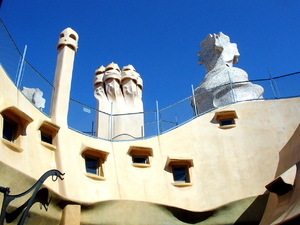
(223, 84)
(119, 102)
(67, 47)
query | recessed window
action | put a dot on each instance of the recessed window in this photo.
(10, 129)
(93, 165)
(226, 119)
(180, 168)
(48, 132)
(14, 123)
(94, 160)
(140, 159)
(226, 122)
(181, 173)
(46, 137)
(140, 156)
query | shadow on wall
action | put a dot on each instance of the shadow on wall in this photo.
(246, 211)
(254, 213)
(189, 216)
(127, 212)
(41, 197)
(284, 208)
(45, 207)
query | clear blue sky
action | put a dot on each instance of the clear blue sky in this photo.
(159, 38)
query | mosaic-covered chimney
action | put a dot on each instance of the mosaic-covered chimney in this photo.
(223, 84)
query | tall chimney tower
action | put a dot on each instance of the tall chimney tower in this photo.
(67, 47)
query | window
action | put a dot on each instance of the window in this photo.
(226, 122)
(226, 119)
(48, 133)
(181, 173)
(14, 123)
(10, 129)
(46, 137)
(140, 159)
(94, 160)
(180, 168)
(140, 156)
(93, 165)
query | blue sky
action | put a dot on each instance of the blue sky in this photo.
(159, 38)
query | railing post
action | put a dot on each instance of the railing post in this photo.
(274, 86)
(20, 70)
(194, 101)
(157, 118)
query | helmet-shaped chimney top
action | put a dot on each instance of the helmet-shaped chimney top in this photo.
(68, 37)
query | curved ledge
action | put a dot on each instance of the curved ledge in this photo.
(182, 184)
(141, 165)
(94, 176)
(49, 146)
(12, 146)
(95, 152)
(23, 118)
(227, 126)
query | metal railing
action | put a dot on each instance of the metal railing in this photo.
(82, 117)
(20, 71)
(37, 195)
(162, 120)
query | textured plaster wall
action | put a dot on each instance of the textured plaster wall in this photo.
(229, 164)
(35, 159)
(287, 206)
